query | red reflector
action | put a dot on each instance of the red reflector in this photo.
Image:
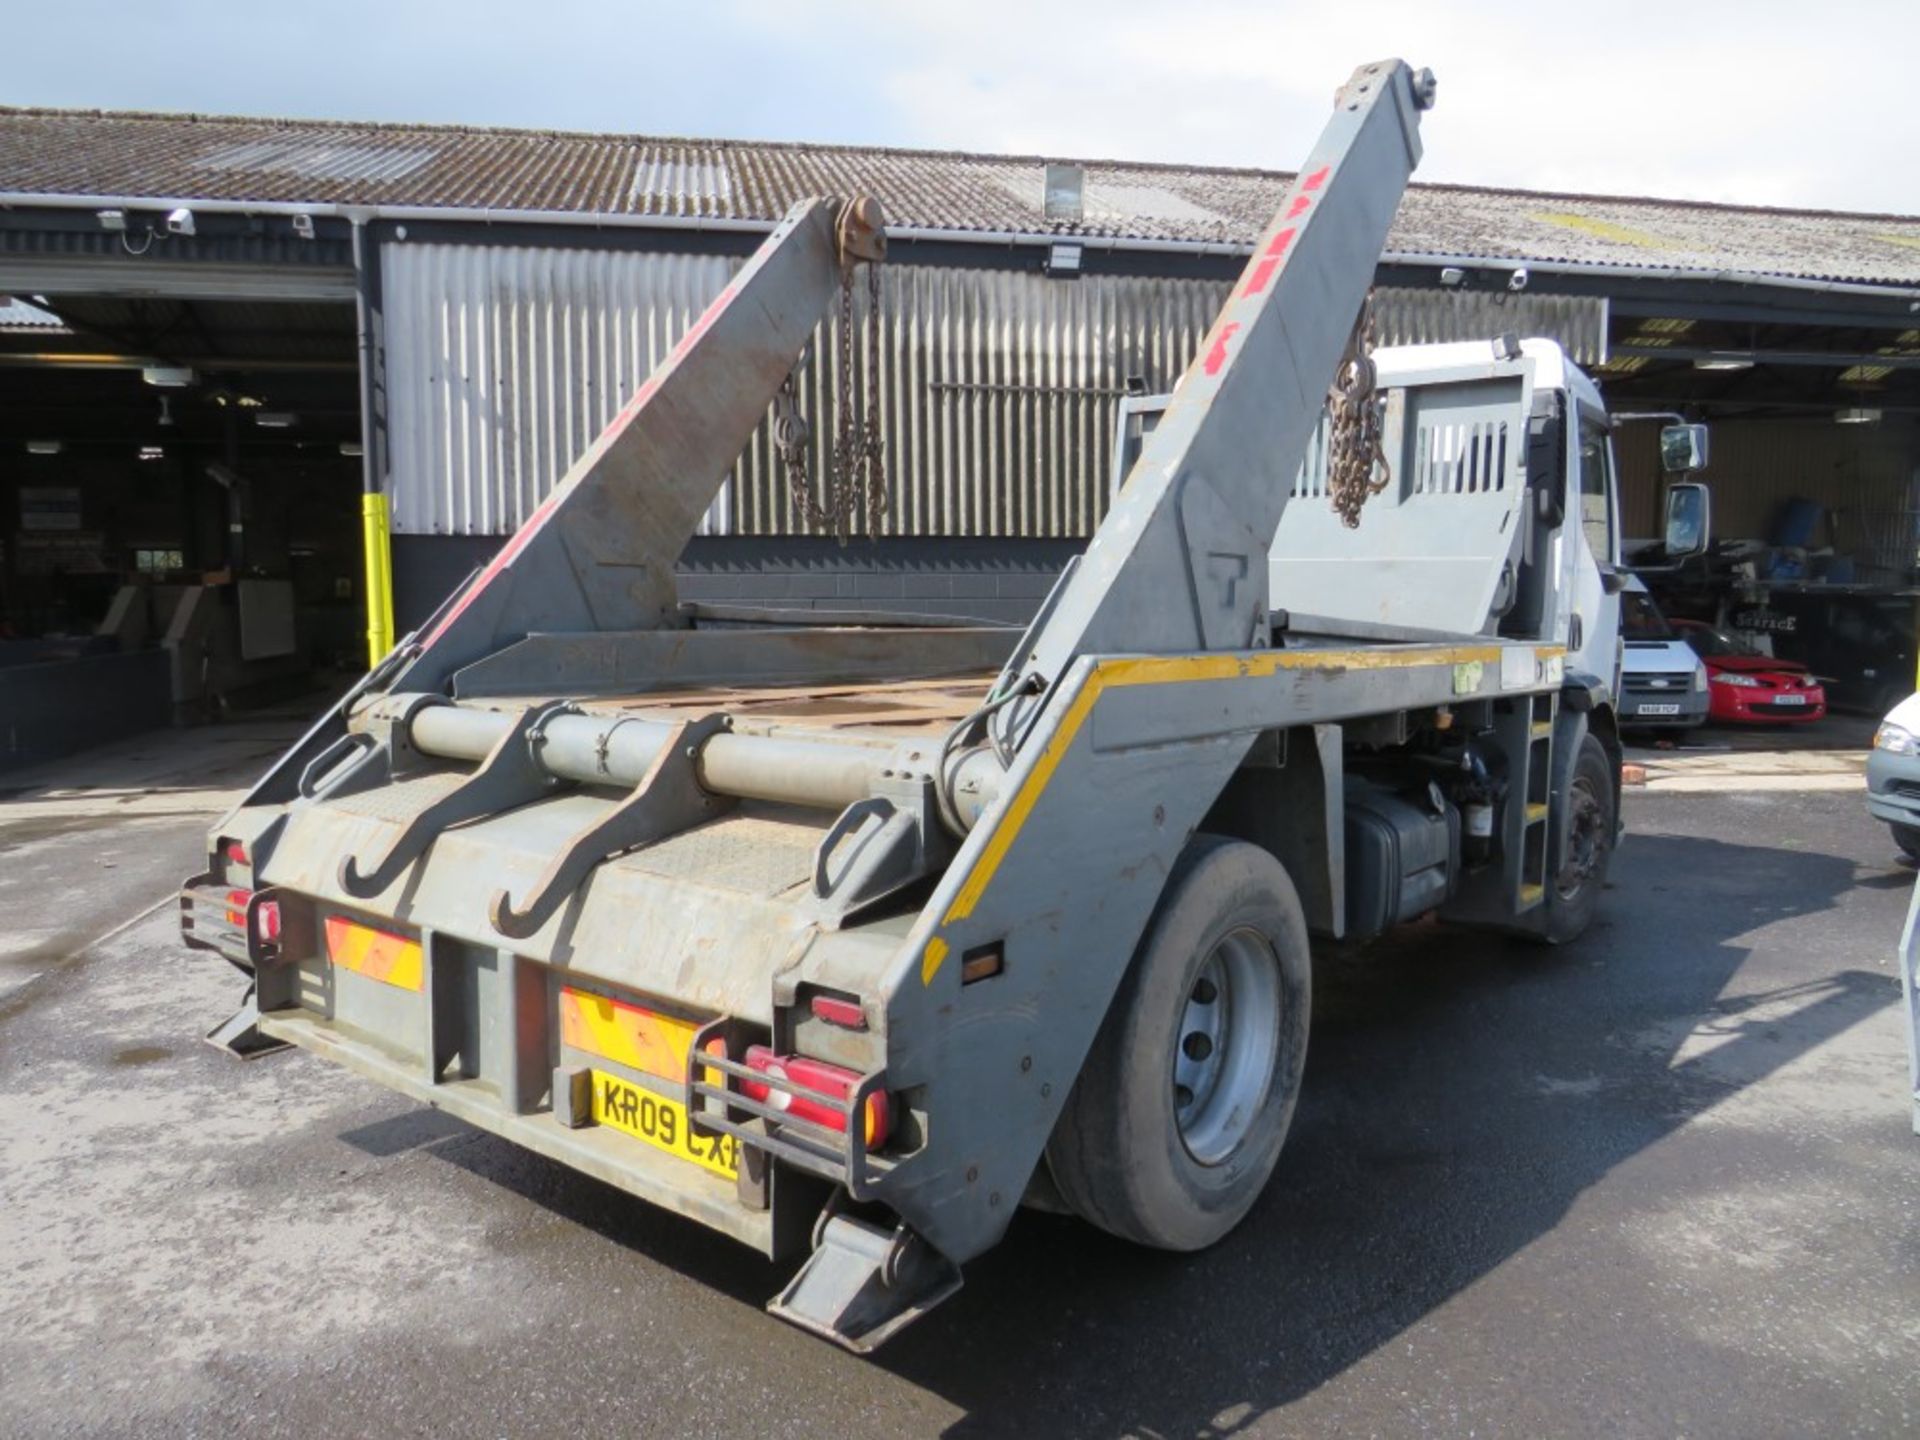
(236, 851)
(237, 901)
(266, 921)
(817, 1075)
(838, 1012)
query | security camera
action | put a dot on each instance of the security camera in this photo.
(1518, 280)
(303, 226)
(1452, 275)
(180, 222)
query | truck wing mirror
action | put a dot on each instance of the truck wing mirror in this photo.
(1612, 581)
(1689, 518)
(1683, 449)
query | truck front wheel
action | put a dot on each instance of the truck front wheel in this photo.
(1582, 842)
(1178, 1116)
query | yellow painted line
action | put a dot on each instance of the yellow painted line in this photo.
(1602, 229)
(1912, 242)
(390, 959)
(629, 1035)
(932, 958)
(1164, 670)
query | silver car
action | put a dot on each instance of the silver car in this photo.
(1893, 775)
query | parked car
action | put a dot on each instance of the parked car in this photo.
(1745, 687)
(1662, 682)
(1858, 639)
(1893, 775)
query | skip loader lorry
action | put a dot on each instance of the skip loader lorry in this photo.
(848, 937)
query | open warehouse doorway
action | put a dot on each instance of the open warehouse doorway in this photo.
(181, 478)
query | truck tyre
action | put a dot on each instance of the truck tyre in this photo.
(1178, 1116)
(1907, 837)
(1581, 842)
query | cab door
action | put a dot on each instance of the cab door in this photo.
(1593, 550)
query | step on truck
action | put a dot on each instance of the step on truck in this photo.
(848, 938)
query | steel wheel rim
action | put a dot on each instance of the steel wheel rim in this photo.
(1584, 838)
(1227, 1046)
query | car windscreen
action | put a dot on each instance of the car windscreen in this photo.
(1640, 618)
(1709, 641)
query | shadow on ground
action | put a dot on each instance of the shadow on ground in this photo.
(1460, 1096)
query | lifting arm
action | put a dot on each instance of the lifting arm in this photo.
(1180, 563)
(598, 553)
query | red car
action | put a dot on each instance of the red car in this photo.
(1747, 688)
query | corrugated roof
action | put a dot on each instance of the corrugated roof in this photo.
(17, 317)
(67, 152)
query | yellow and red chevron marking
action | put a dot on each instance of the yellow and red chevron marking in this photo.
(390, 959)
(626, 1034)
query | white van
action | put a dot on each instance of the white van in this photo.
(1662, 682)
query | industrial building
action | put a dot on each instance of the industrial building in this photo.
(275, 387)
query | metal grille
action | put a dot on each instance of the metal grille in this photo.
(1461, 459)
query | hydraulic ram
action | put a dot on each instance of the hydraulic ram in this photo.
(619, 750)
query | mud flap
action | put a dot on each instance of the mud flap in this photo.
(239, 1035)
(864, 1283)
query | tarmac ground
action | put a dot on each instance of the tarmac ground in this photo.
(1660, 1182)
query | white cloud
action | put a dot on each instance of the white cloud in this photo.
(1766, 101)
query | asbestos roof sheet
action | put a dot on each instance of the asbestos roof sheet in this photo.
(56, 152)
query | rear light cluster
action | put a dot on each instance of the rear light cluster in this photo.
(830, 1083)
(266, 918)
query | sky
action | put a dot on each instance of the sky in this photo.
(1766, 102)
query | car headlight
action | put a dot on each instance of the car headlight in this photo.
(1699, 678)
(1895, 740)
(1731, 679)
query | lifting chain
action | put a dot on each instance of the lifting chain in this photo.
(857, 468)
(1356, 464)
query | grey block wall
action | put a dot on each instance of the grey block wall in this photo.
(56, 707)
(981, 579)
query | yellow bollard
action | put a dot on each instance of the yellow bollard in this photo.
(379, 558)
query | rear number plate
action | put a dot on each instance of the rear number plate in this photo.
(1789, 699)
(661, 1122)
(1658, 710)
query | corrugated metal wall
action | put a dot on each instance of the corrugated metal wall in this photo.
(1865, 476)
(998, 390)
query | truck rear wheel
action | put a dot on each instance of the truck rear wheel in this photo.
(1582, 843)
(1178, 1116)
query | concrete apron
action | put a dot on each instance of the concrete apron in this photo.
(1747, 771)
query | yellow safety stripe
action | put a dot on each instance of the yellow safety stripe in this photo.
(629, 1035)
(1165, 670)
(391, 959)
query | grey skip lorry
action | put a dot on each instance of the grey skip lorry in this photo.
(848, 938)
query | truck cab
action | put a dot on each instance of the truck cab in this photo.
(1498, 512)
